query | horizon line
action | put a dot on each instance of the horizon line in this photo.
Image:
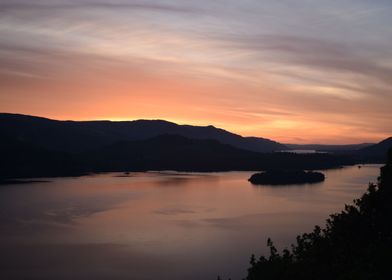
(177, 123)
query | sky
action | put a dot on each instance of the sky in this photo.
(295, 71)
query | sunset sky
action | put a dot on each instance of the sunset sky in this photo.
(293, 71)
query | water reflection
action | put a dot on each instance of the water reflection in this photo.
(171, 179)
(159, 225)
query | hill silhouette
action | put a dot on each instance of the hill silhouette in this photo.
(39, 147)
(378, 150)
(163, 152)
(169, 152)
(23, 159)
(80, 136)
(329, 148)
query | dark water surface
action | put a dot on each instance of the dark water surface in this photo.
(159, 225)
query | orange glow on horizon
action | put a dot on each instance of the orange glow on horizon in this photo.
(223, 69)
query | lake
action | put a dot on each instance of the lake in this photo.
(302, 151)
(159, 225)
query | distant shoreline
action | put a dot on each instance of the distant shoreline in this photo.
(48, 178)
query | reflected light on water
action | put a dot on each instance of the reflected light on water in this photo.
(159, 225)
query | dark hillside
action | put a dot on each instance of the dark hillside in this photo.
(80, 136)
(377, 151)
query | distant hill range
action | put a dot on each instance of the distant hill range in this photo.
(329, 148)
(163, 152)
(378, 150)
(365, 152)
(79, 136)
(39, 147)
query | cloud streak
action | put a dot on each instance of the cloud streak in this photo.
(270, 69)
(44, 7)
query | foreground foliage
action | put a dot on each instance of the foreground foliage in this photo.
(355, 244)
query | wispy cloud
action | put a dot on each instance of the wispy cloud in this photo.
(44, 6)
(313, 53)
(264, 68)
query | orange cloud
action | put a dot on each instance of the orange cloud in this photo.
(198, 64)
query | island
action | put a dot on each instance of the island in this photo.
(286, 177)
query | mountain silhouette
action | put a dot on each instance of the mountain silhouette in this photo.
(39, 147)
(171, 152)
(329, 148)
(378, 150)
(21, 159)
(79, 136)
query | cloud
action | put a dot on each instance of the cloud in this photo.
(312, 53)
(254, 68)
(44, 7)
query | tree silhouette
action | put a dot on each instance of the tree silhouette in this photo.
(355, 243)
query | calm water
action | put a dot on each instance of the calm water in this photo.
(159, 225)
(302, 152)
